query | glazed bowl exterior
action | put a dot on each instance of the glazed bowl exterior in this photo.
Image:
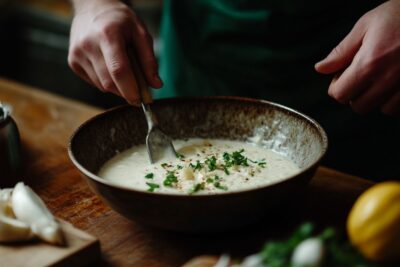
(274, 126)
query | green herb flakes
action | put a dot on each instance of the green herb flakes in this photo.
(152, 187)
(196, 188)
(196, 166)
(226, 170)
(219, 186)
(179, 155)
(211, 162)
(164, 165)
(149, 176)
(262, 163)
(170, 179)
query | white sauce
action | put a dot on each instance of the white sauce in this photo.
(262, 167)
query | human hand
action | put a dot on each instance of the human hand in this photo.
(367, 62)
(102, 33)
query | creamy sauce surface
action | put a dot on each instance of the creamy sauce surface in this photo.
(202, 167)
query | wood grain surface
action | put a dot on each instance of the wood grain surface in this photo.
(46, 123)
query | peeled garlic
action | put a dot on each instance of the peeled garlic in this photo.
(30, 209)
(187, 173)
(309, 253)
(50, 232)
(12, 230)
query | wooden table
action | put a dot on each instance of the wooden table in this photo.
(46, 123)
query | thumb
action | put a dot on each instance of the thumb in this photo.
(342, 55)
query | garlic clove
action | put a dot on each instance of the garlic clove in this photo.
(29, 208)
(187, 173)
(50, 233)
(12, 230)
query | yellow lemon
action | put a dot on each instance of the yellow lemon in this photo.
(373, 224)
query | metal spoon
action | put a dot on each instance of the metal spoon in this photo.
(158, 143)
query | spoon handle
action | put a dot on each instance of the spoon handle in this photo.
(141, 82)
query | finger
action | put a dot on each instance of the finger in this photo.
(392, 106)
(143, 44)
(89, 70)
(350, 84)
(342, 55)
(118, 66)
(78, 70)
(372, 98)
(74, 61)
(102, 73)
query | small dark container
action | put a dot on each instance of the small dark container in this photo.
(10, 148)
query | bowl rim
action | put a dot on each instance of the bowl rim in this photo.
(104, 182)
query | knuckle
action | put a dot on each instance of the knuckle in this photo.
(108, 30)
(108, 85)
(337, 95)
(117, 69)
(73, 63)
(74, 53)
(86, 45)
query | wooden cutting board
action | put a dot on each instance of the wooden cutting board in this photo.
(81, 249)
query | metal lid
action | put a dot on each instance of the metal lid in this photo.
(5, 111)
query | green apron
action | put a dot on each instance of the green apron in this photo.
(267, 49)
(258, 48)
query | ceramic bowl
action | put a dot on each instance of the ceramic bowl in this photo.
(277, 127)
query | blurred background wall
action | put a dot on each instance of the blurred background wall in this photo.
(34, 36)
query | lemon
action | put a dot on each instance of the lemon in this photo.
(373, 224)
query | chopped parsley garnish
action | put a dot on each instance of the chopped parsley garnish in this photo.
(149, 176)
(226, 170)
(227, 158)
(170, 179)
(212, 180)
(179, 155)
(196, 188)
(238, 158)
(219, 186)
(262, 163)
(211, 163)
(196, 166)
(235, 158)
(179, 167)
(164, 165)
(152, 187)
